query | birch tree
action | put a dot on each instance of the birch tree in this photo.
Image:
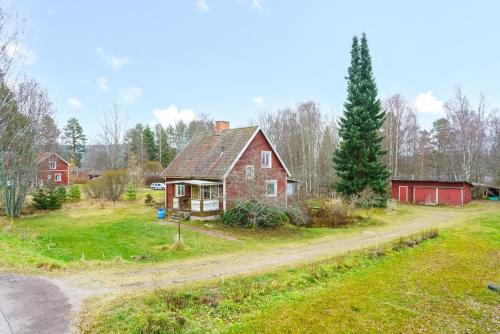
(21, 123)
(468, 125)
(112, 134)
(398, 122)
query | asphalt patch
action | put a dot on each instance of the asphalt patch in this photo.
(30, 304)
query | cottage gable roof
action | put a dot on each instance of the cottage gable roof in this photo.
(211, 156)
(44, 156)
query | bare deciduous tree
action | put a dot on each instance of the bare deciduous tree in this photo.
(21, 124)
(398, 123)
(469, 129)
(112, 135)
(303, 137)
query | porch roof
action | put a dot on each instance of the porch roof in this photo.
(196, 182)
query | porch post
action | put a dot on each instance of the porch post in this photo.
(201, 198)
(224, 194)
(166, 196)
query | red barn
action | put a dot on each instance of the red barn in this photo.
(431, 192)
(215, 169)
(52, 169)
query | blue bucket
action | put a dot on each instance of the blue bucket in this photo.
(161, 213)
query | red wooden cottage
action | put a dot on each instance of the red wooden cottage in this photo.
(215, 169)
(52, 169)
(431, 192)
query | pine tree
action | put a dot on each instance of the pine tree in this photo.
(131, 193)
(150, 144)
(75, 139)
(74, 193)
(357, 159)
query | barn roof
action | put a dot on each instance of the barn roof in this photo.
(212, 156)
(432, 181)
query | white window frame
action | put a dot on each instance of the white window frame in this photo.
(275, 182)
(269, 160)
(214, 192)
(180, 190)
(52, 164)
(249, 172)
(57, 177)
(49, 176)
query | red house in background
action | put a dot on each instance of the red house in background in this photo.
(52, 169)
(431, 192)
(215, 169)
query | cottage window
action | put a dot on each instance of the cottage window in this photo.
(250, 172)
(180, 190)
(52, 164)
(57, 177)
(214, 192)
(272, 188)
(210, 192)
(266, 159)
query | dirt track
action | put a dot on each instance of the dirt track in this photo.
(187, 271)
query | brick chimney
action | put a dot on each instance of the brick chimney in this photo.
(220, 125)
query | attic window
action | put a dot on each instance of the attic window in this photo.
(266, 159)
(52, 164)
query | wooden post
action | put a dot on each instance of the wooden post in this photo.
(179, 224)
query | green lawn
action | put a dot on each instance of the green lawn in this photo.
(84, 234)
(438, 286)
(66, 237)
(118, 232)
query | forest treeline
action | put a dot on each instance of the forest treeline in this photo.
(464, 144)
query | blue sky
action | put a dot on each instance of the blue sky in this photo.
(165, 60)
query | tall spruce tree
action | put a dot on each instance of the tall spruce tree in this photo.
(358, 157)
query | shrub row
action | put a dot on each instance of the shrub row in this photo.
(254, 214)
(110, 185)
(52, 198)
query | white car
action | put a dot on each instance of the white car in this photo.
(157, 186)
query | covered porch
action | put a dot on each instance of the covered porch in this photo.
(201, 198)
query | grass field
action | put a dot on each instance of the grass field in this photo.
(84, 234)
(438, 286)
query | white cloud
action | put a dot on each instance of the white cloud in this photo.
(103, 83)
(202, 5)
(132, 94)
(75, 103)
(254, 4)
(258, 100)
(172, 115)
(18, 51)
(116, 62)
(428, 103)
(257, 4)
